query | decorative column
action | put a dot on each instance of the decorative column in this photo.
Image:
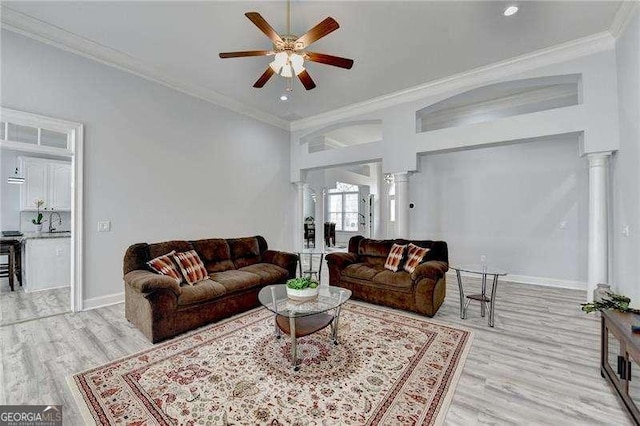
(321, 196)
(598, 255)
(298, 233)
(402, 204)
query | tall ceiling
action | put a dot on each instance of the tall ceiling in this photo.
(395, 45)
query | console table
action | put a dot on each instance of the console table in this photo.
(620, 356)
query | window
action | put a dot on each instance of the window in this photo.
(343, 206)
(392, 202)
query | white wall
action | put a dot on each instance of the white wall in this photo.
(508, 203)
(626, 166)
(10, 216)
(158, 164)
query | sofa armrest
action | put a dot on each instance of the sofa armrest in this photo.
(433, 269)
(341, 260)
(147, 282)
(288, 261)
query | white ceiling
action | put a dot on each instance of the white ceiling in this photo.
(395, 45)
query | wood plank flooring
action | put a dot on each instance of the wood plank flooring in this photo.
(18, 306)
(538, 366)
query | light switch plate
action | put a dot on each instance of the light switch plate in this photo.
(104, 226)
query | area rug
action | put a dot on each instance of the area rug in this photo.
(389, 368)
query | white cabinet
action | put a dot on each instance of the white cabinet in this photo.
(46, 263)
(60, 186)
(49, 180)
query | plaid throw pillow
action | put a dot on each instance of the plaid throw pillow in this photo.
(395, 257)
(164, 265)
(191, 266)
(415, 255)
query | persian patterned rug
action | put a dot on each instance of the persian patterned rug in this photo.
(389, 368)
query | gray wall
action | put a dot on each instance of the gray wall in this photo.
(524, 206)
(626, 166)
(158, 164)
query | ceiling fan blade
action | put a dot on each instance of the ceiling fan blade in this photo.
(325, 27)
(264, 26)
(306, 80)
(335, 61)
(225, 55)
(264, 78)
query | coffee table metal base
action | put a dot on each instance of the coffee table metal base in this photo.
(303, 326)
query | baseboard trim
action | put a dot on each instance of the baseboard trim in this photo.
(26, 289)
(99, 302)
(525, 279)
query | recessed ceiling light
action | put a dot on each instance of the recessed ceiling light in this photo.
(284, 98)
(510, 11)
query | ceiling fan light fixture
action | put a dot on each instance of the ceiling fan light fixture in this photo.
(287, 72)
(297, 62)
(279, 61)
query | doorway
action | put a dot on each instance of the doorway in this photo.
(40, 217)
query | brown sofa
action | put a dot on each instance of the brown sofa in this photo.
(362, 271)
(238, 269)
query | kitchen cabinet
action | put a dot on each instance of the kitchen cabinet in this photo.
(46, 263)
(49, 180)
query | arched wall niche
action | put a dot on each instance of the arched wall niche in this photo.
(341, 135)
(500, 100)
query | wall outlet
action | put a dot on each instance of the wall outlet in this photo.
(563, 224)
(104, 226)
(626, 230)
(483, 259)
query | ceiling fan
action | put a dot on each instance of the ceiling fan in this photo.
(289, 50)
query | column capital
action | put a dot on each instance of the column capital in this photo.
(301, 184)
(597, 159)
(401, 176)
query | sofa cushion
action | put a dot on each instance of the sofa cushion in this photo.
(191, 266)
(268, 273)
(202, 291)
(415, 256)
(244, 251)
(400, 280)
(215, 253)
(234, 281)
(395, 258)
(361, 271)
(165, 265)
(159, 249)
(374, 252)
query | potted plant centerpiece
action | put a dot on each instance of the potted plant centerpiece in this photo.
(37, 221)
(302, 289)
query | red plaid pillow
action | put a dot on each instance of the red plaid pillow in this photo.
(415, 255)
(191, 266)
(395, 257)
(165, 265)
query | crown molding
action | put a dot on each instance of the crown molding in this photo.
(55, 36)
(544, 57)
(623, 17)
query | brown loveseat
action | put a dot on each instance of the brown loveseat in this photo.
(362, 271)
(238, 269)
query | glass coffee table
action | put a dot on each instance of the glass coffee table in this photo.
(485, 301)
(298, 319)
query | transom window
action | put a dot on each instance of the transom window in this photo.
(343, 206)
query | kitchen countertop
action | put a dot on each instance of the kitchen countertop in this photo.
(37, 236)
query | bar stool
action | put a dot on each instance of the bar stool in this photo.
(8, 267)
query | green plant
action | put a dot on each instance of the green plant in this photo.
(610, 301)
(38, 220)
(301, 283)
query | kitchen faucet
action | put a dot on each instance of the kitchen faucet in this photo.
(51, 228)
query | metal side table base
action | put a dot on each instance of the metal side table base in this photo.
(486, 302)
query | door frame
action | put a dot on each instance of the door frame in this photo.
(75, 151)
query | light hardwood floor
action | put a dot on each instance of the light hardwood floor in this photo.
(539, 365)
(18, 306)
